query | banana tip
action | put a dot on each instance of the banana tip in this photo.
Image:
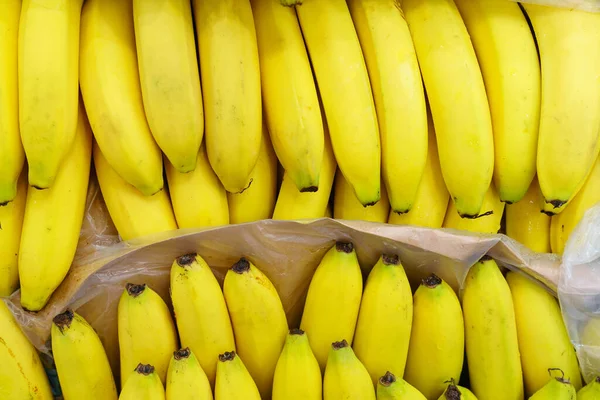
(388, 379)
(310, 189)
(345, 247)
(296, 331)
(135, 290)
(64, 319)
(339, 345)
(182, 353)
(390, 259)
(432, 281)
(241, 266)
(186, 259)
(227, 356)
(144, 369)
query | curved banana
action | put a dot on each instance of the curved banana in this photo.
(52, 223)
(234, 382)
(11, 221)
(347, 206)
(205, 330)
(81, 362)
(345, 377)
(455, 392)
(591, 391)
(458, 100)
(110, 85)
(142, 311)
(333, 300)
(556, 389)
(169, 77)
(391, 388)
(488, 221)
(258, 319)
(185, 378)
(144, 384)
(345, 90)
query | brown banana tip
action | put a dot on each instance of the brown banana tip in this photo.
(556, 203)
(182, 353)
(339, 345)
(387, 379)
(64, 319)
(390, 259)
(135, 290)
(432, 281)
(241, 266)
(485, 258)
(310, 189)
(452, 392)
(227, 356)
(296, 331)
(144, 369)
(186, 259)
(345, 247)
(597, 380)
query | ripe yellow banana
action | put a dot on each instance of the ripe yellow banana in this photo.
(257, 201)
(289, 93)
(385, 319)
(52, 223)
(345, 89)
(437, 339)
(458, 100)
(568, 141)
(110, 85)
(297, 374)
(347, 206)
(507, 55)
(345, 376)
(144, 384)
(455, 392)
(543, 338)
(230, 75)
(391, 388)
(198, 197)
(133, 213)
(206, 330)
(169, 77)
(22, 374)
(234, 382)
(591, 391)
(81, 362)
(146, 331)
(491, 334)
(333, 300)
(185, 378)
(48, 84)
(258, 319)
(556, 389)
(12, 155)
(11, 221)
(488, 221)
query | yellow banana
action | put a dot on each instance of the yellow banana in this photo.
(206, 330)
(491, 334)
(48, 84)
(591, 391)
(185, 378)
(22, 374)
(455, 392)
(436, 349)
(297, 374)
(230, 75)
(11, 221)
(555, 389)
(110, 85)
(345, 376)
(12, 155)
(385, 319)
(258, 319)
(146, 331)
(458, 100)
(507, 55)
(52, 223)
(290, 96)
(198, 198)
(488, 220)
(345, 89)
(133, 213)
(347, 206)
(543, 338)
(568, 141)
(234, 382)
(391, 388)
(333, 300)
(257, 201)
(81, 362)
(169, 77)
(144, 384)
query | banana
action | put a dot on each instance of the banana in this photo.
(385, 319)
(346, 204)
(491, 334)
(81, 362)
(12, 155)
(556, 389)
(591, 391)
(458, 100)
(258, 319)
(345, 90)
(110, 85)
(297, 374)
(333, 300)
(436, 349)
(52, 223)
(399, 97)
(391, 388)
(455, 392)
(568, 141)
(11, 221)
(205, 330)
(142, 311)
(185, 378)
(345, 376)
(198, 198)
(290, 100)
(48, 84)
(144, 384)
(508, 58)
(589, 346)
(257, 201)
(22, 375)
(234, 382)
(230, 74)
(169, 78)
(543, 338)
(488, 221)
(134, 214)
